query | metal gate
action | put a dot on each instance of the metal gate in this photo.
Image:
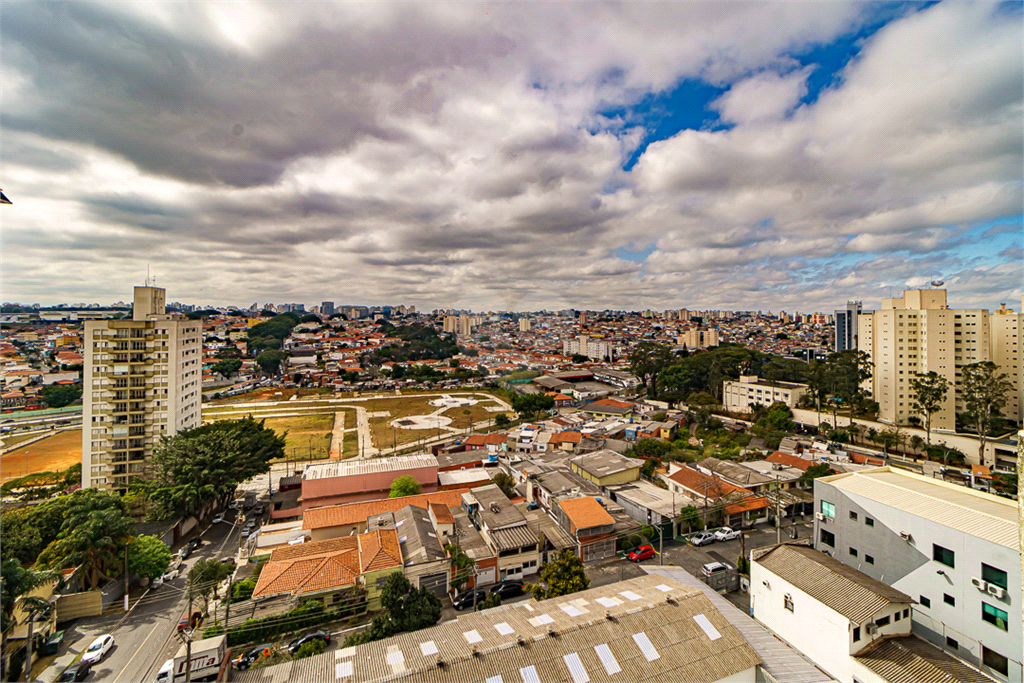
(438, 583)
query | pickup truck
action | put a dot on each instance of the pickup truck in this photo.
(207, 657)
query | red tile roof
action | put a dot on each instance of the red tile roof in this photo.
(790, 460)
(585, 512)
(356, 513)
(699, 483)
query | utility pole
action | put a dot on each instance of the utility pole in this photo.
(126, 578)
(188, 639)
(661, 543)
(778, 518)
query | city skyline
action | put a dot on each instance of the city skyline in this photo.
(483, 157)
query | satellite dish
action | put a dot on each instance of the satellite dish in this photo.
(938, 283)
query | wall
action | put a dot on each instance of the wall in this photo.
(366, 486)
(908, 566)
(75, 605)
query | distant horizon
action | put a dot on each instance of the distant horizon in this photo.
(514, 157)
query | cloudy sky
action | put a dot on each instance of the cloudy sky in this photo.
(780, 155)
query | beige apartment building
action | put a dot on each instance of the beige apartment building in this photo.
(451, 324)
(737, 397)
(142, 379)
(524, 324)
(919, 333)
(698, 338)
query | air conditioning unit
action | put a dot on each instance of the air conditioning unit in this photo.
(871, 628)
(979, 584)
(996, 591)
(905, 535)
(820, 516)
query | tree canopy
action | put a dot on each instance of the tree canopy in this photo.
(984, 390)
(227, 367)
(270, 361)
(270, 333)
(563, 576)
(929, 392)
(646, 361)
(419, 342)
(148, 556)
(60, 395)
(404, 486)
(406, 609)
(528, 405)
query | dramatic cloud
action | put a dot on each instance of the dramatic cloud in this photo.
(509, 156)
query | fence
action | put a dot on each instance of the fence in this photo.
(75, 605)
(114, 590)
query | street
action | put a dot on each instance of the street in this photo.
(146, 638)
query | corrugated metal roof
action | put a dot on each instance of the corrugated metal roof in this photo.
(781, 661)
(912, 660)
(516, 537)
(685, 651)
(838, 586)
(972, 512)
(356, 466)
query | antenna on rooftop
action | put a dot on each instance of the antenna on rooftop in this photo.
(938, 283)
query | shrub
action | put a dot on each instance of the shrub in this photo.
(242, 590)
(492, 600)
(635, 540)
(310, 614)
(215, 629)
(313, 647)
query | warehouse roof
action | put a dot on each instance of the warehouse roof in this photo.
(357, 466)
(605, 463)
(912, 660)
(650, 628)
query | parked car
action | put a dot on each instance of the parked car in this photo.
(251, 524)
(195, 543)
(508, 589)
(247, 659)
(714, 568)
(75, 672)
(217, 518)
(98, 649)
(185, 552)
(726, 534)
(644, 552)
(190, 623)
(466, 599)
(259, 510)
(156, 583)
(310, 637)
(702, 538)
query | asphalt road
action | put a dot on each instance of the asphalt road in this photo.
(146, 639)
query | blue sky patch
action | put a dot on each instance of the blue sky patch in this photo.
(633, 255)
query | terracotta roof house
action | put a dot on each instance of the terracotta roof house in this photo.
(591, 526)
(350, 518)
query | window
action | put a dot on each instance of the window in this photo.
(943, 555)
(787, 602)
(828, 509)
(884, 621)
(952, 644)
(853, 515)
(994, 616)
(856, 634)
(896, 617)
(993, 576)
(828, 538)
(925, 602)
(853, 552)
(995, 661)
(870, 559)
(868, 521)
(949, 599)
(906, 613)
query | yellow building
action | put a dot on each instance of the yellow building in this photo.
(606, 468)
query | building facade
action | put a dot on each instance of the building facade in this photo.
(142, 379)
(750, 390)
(846, 326)
(699, 338)
(954, 550)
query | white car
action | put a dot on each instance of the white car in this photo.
(217, 518)
(98, 649)
(726, 534)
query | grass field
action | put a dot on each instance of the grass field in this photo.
(15, 439)
(53, 453)
(305, 432)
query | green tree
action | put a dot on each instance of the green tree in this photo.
(406, 609)
(529, 405)
(984, 390)
(60, 395)
(649, 448)
(270, 361)
(501, 420)
(148, 556)
(204, 577)
(492, 600)
(313, 647)
(690, 517)
(15, 582)
(227, 367)
(579, 358)
(929, 392)
(505, 482)
(404, 486)
(563, 576)
(92, 539)
(646, 361)
(815, 471)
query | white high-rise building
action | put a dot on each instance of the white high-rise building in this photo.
(142, 379)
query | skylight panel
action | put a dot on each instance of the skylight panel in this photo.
(644, 643)
(343, 670)
(494, 679)
(604, 653)
(571, 611)
(663, 588)
(707, 626)
(396, 658)
(504, 629)
(609, 602)
(529, 674)
(545, 619)
(428, 648)
(472, 636)
(579, 674)
(630, 595)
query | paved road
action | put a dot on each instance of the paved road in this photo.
(145, 640)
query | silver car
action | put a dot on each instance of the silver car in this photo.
(702, 538)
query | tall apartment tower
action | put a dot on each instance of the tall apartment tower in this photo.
(327, 308)
(465, 325)
(1006, 329)
(919, 333)
(846, 326)
(583, 318)
(451, 324)
(142, 379)
(699, 338)
(524, 324)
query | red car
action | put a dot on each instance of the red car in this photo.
(644, 552)
(186, 623)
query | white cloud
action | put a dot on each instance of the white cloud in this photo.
(768, 95)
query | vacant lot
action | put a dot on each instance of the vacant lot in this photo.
(305, 433)
(53, 453)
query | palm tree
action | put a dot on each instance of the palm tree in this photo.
(15, 583)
